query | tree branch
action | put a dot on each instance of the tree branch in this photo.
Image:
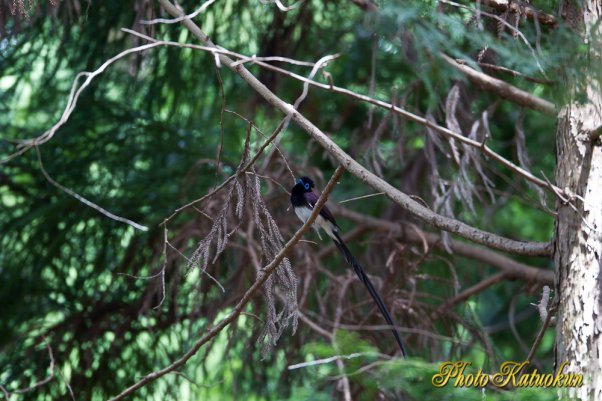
(499, 68)
(503, 89)
(267, 271)
(464, 295)
(511, 268)
(521, 8)
(417, 209)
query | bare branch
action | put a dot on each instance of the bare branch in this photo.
(512, 269)
(335, 358)
(179, 19)
(267, 271)
(72, 100)
(315, 327)
(512, 72)
(84, 200)
(464, 295)
(163, 267)
(543, 328)
(522, 8)
(503, 89)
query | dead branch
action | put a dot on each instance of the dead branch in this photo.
(512, 269)
(84, 200)
(546, 323)
(519, 7)
(503, 89)
(514, 73)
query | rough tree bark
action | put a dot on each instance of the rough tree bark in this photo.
(578, 251)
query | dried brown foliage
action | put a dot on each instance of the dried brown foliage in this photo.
(245, 194)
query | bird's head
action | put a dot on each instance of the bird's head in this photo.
(306, 183)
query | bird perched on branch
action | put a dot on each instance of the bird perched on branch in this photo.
(303, 199)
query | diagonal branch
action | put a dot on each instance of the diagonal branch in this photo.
(469, 292)
(503, 89)
(405, 201)
(267, 271)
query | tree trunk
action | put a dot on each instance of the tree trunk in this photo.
(578, 251)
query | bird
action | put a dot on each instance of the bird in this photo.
(303, 200)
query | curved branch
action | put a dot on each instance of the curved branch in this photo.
(405, 201)
(267, 271)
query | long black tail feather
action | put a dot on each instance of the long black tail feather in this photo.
(364, 279)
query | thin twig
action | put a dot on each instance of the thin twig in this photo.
(323, 361)
(204, 271)
(179, 19)
(539, 337)
(512, 72)
(69, 389)
(286, 163)
(27, 144)
(162, 272)
(475, 289)
(221, 120)
(84, 200)
(43, 381)
(361, 197)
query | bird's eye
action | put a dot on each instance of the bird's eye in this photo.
(306, 185)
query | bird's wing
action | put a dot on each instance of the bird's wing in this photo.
(312, 199)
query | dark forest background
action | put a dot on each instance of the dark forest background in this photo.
(82, 300)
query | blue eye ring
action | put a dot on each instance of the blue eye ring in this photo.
(306, 185)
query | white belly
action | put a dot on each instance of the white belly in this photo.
(303, 213)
